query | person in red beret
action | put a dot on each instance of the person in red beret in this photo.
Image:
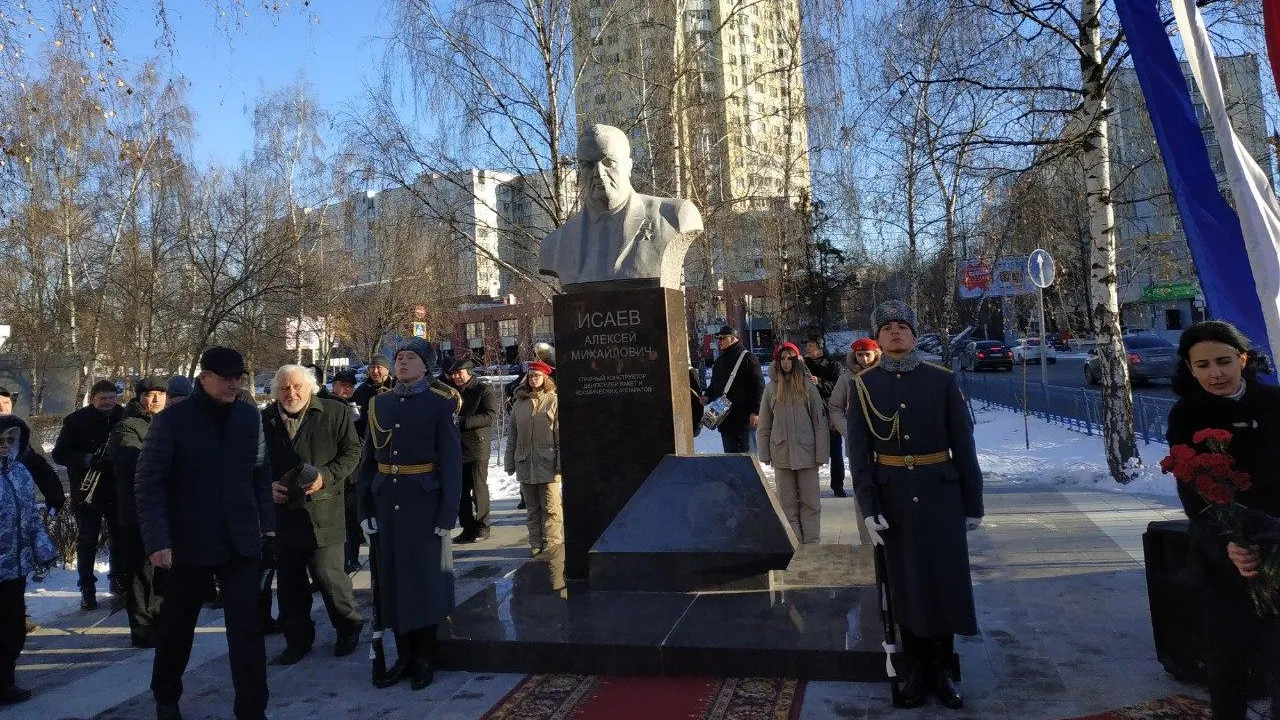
(792, 436)
(533, 455)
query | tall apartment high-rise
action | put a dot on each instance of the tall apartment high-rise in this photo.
(711, 93)
(1157, 284)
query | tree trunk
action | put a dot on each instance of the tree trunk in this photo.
(1117, 399)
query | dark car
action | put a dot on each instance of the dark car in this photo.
(1150, 357)
(986, 355)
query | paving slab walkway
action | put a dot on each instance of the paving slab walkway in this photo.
(1059, 583)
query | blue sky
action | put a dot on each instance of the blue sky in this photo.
(333, 43)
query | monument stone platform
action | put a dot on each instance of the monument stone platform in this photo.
(818, 621)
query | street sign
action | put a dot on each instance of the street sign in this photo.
(1040, 268)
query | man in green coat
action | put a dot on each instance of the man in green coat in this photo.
(313, 450)
(141, 580)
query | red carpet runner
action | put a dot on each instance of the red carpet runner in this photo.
(592, 697)
(1178, 707)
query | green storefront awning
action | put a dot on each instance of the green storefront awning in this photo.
(1170, 291)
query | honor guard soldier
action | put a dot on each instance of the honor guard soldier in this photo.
(410, 482)
(916, 475)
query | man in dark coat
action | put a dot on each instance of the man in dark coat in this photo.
(410, 484)
(916, 475)
(826, 373)
(47, 480)
(475, 419)
(344, 390)
(377, 381)
(142, 595)
(305, 432)
(203, 489)
(744, 392)
(78, 449)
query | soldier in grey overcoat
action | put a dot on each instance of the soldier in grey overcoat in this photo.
(915, 471)
(409, 487)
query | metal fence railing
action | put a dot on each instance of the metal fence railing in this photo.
(1078, 409)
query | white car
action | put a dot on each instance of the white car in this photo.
(1027, 350)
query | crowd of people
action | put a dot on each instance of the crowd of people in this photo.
(208, 501)
(199, 489)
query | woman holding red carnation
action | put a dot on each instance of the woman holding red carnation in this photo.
(1221, 402)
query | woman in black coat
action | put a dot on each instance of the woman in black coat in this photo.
(1217, 388)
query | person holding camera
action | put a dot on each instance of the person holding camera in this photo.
(313, 450)
(80, 441)
(736, 376)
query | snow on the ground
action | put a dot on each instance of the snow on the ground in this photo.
(1058, 456)
(57, 594)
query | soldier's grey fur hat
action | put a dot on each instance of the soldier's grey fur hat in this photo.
(892, 311)
(422, 348)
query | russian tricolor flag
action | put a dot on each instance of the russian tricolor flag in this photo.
(1236, 252)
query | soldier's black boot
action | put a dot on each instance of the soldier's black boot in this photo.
(915, 685)
(404, 656)
(944, 680)
(421, 672)
(916, 681)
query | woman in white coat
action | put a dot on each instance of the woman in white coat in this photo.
(793, 437)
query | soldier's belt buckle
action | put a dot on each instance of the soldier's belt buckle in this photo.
(909, 461)
(395, 469)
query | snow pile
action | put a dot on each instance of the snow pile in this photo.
(1059, 457)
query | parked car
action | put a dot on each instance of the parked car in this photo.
(986, 355)
(1027, 350)
(1150, 357)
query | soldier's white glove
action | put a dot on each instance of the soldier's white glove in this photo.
(369, 526)
(971, 524)
(874, 525)
(441, 532)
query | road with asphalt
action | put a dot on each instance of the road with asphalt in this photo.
(1069, 372)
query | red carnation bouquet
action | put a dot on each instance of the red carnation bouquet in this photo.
(1213, 474)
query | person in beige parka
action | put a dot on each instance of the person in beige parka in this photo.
(533, 455)
(793, 437)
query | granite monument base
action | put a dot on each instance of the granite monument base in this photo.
(697, 524)
(623, 389)
(820, 621)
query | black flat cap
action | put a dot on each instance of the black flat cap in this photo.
(223, 361)
(461, 365)
(727, 331)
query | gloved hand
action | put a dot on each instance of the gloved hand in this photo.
(971, 524)
(441, 532)
(369, 526)
(874, 525)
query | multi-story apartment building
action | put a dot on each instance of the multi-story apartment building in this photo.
(1158, 286)
(711, 93)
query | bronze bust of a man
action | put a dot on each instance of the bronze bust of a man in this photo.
(619, 234)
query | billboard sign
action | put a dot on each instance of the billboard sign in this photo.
(978, 278)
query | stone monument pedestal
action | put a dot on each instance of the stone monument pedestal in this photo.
(819, 620)
(622, 378)
(701, 523)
